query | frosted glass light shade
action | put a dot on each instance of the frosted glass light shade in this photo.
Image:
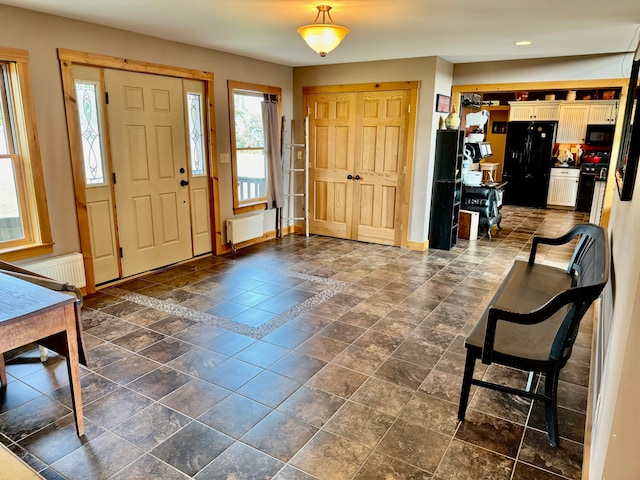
(323, 37)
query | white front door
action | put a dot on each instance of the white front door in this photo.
(148, 145)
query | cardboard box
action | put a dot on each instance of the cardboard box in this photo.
(468, 225)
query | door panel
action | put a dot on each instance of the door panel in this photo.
(102, 245)
(388, 204)
(102, 234)
(381, 136)
(200, 203)
(164, 147)
(331, 146)
(143, 214)
(137, 137)
(149, 160)
(170, 204)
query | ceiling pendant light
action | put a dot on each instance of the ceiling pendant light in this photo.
(323, 37)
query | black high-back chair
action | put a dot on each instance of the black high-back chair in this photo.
(532, 321)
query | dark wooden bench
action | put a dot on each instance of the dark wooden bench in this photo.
(532, 321)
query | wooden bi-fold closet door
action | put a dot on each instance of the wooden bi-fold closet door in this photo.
(358, 156)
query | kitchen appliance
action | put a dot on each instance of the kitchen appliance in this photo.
(593, 169)
(599, 135)
(527, 161)
(592, 157)
(472, 178)
(478, 150)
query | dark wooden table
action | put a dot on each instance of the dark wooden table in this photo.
(29, 313)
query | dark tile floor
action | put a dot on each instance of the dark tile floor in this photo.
(298, 359)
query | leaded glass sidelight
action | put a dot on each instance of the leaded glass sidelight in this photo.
(196, 137)
(86, 94)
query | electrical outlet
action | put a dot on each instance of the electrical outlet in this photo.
(225, 158)
(299, 155)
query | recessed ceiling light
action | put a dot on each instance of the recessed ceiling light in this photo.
(523, 43)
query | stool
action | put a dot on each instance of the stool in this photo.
(488, 171)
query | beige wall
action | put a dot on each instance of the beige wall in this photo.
(614, 443)
(434, 75)
(42, 34)
(586, 67)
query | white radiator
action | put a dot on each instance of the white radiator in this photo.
(243, 228)
(65, 268)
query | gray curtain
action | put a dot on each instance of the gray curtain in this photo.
(270, 120)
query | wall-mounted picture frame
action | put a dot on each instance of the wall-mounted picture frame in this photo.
(629, 155)
(443, 103)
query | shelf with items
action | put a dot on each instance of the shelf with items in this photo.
(582, 94)
(447, 189)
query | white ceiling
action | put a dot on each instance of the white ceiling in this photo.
(459, 31)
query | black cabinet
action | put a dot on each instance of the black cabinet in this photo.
(447, 189)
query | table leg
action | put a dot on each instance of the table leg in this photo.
(73, 367)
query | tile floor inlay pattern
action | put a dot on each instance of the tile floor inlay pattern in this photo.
(299, 358)
(333, 287)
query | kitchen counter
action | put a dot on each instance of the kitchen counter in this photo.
(566, 167)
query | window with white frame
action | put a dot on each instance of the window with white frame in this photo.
(24, 222)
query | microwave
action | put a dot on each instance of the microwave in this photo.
(599, 135)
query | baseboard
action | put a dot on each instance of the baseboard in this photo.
(295, 230)
(291, 229)
(588, 428)
(419, 246)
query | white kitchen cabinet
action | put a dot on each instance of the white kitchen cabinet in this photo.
(563, 187)
(603, 112)
(572, 122)
(533, 111)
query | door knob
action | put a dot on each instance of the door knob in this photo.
(184, 183)
(357, 177)
(349, 177)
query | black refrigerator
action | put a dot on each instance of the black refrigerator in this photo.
(527, 162)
